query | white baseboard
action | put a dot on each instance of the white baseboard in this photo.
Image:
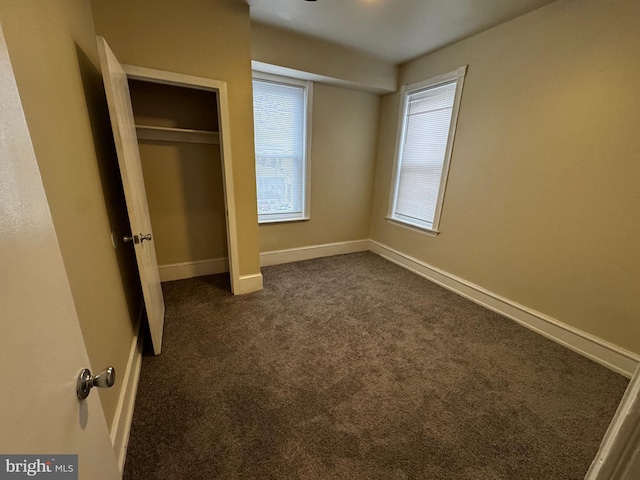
(180, 271)
(198, 268)
(598, 350)
(121, 426)
(276, 257)
(249, 284)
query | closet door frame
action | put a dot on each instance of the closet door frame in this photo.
(220, 88)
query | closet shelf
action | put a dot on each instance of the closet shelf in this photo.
(183, 135)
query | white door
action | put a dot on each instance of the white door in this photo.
(41, 346)
(124, 133)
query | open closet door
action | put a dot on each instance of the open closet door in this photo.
(124, 133)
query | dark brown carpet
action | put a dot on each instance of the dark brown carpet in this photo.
(351, 367)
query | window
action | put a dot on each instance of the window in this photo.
(281, 130)
(428, 113)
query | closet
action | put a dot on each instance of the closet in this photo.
(179, 143)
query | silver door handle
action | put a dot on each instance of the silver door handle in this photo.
(134, 238)
(137, 238)
(104, 379)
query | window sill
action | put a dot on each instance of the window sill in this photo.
(415, 228)
(282, 220)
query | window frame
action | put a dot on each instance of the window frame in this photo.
(406, 90)
(306, 161)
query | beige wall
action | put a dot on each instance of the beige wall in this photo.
(343, 141)
(542, 201)
(206, 39)
(53, 51)
(343, 138)
(291, 50)
(186, 200)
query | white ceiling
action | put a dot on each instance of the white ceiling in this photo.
(391, 30)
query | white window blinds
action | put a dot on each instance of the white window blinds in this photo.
(422, 153)
(279, 111)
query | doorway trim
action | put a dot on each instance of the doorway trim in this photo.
(619, 455)
(220, 87)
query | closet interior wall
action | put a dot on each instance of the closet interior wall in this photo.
(177, 131)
